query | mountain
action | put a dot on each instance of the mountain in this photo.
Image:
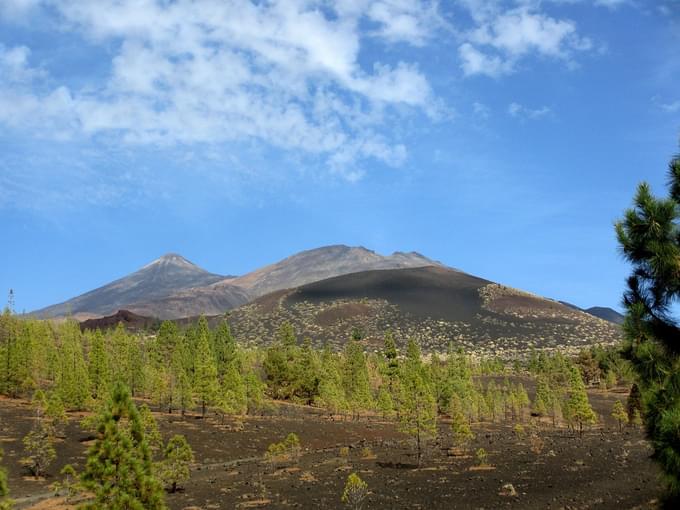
(172, 287)
(153, 282)
(434, 304)
(606, 313)
(602, 312)
(322, 263)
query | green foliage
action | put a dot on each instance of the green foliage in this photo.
(578, 406)
(234, 398)
(634, 402)
(619, 414)
(224, 346)
(166, 343)
(417, 405)
(610, 379)
(281, 363)
(177, 458)
(385, 403)
(151, 432)
(636, 420)
(5, 502)
(98, 367)
(119, 467)
(481, 457)
(73, 383)
(543, 398)
(39, 447)
(181, 393)
(355, 378)
(206, 387)
(459, 424)
(649, 239)
(355, 492)
(287, 450)
(70, 484)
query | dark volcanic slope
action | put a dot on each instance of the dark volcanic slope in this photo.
(157, 280)
(130, 320)
(432, 304)
(424, 292)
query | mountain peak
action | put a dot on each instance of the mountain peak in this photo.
(172, 259)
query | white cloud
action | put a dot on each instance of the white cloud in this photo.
(502, 37)
(481, 110)
(405, 20)
(522, 112)
(285, 73)
(474, 61)
(671, 107)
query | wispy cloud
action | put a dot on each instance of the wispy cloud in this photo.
(503, 35)
(522, 112)
(285, 73)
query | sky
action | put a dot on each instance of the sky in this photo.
(500, 137)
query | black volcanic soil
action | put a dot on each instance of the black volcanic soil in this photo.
(424, 292)
(604, 469)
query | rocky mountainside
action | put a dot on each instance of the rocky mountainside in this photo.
(323, 263)
(155, 281)
(171, 287)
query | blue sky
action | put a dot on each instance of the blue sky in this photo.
(503, 138)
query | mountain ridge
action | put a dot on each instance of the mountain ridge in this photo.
(171, 286)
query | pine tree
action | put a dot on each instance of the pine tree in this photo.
(151, 432)
(543, 398)
(181, 395)
(459, 424)
(98, 367)
(55, 414)
(418, 408)
(166, 342)
(331, 391)
(307, 377)
(73, 384)
(225, 348)
(10, 383)
(177, 458)
(522, 401)
(234, 398)
(392, 361)
(206, 388)
(119, 470)
(5, 502)
(255, 388)
(385, 403)
(610, 379)
(356, 384)
(39, 446)
(578, 406)
(619, 414)
(281, 363)
(650, 240)
(355, 492)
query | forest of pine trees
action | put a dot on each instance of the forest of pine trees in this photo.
(204, 371)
